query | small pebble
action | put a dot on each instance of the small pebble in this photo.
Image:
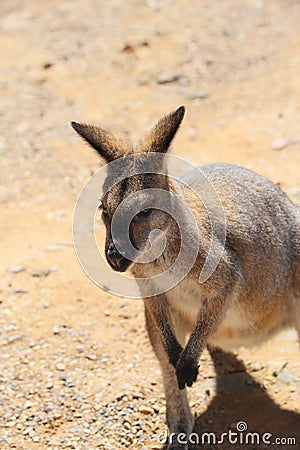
(255, 367)
(10, 423)
(284, 376)
(167, 76)
(28, 404)
(91, 357)
(40, 273)
(60, 366)
(16, 269)
(62, 375)
(146, 409)
(193, 95)
(279, 144)
(17, 337)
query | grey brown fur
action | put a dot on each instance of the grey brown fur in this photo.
(253, 293)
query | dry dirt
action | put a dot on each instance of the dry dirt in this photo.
(77, 370)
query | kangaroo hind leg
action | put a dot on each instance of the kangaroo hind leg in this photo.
(179, 417)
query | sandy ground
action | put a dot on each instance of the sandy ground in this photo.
(77, 370)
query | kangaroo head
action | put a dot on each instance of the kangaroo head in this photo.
(143, 211)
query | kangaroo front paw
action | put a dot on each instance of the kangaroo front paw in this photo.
(186, 372)
(174, 353)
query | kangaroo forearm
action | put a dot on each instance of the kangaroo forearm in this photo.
(207, 322)
(158, 307)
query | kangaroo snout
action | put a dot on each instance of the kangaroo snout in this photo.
(117, 261)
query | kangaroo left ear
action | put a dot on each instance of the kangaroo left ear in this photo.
(107, 146)
(160, 138)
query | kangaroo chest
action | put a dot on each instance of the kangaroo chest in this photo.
(186, 298)
(237, 328)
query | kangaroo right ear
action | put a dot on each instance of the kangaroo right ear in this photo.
(107, 146)
(164, 131)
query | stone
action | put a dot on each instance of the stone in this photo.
(146, 409)
(91, 357)
(284, 376)
(16, 269)
(167, 76)
(279, 144)
(60, 366)
(192, 94)
(255, 367)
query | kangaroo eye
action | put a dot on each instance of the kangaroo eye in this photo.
(144, 213)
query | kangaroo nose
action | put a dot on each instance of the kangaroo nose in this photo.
(114, 257)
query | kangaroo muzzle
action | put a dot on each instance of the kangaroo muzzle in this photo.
(117, 261)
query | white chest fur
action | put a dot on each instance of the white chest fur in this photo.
(186, 298)
(235, 329)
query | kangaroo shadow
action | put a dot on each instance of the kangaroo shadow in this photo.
(239, 398)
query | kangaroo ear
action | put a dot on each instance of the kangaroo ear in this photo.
(160, 138)
(105, 144)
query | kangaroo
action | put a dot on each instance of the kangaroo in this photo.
(254, 291)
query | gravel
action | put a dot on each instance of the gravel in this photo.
(77, 371)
